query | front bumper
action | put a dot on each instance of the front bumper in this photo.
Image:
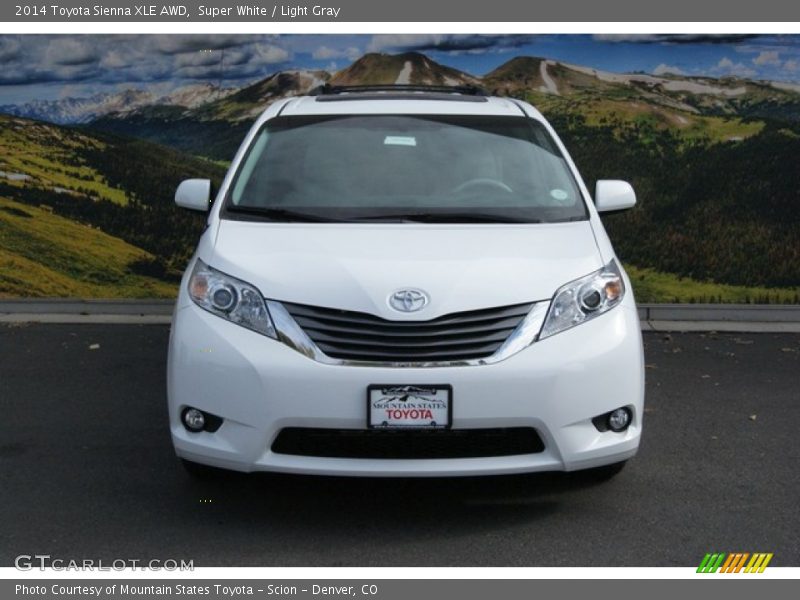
(260, 386)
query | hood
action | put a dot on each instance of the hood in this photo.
(357, 267)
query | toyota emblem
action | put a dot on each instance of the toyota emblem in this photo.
(409, 300)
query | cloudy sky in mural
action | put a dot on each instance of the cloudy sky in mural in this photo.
(50, 67)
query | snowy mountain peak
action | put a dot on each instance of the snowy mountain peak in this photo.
(83, 110)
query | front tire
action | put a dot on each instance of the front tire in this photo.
(202, 472)
(604, 473)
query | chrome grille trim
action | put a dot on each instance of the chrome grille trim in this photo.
(293, 335)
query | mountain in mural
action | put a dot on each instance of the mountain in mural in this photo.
(83, 110)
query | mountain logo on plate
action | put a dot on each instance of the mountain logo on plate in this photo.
(408, 300)
(406, 393)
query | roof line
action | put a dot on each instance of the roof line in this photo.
(518, 104)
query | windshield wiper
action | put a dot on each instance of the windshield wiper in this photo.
(282, 214)
(448, 217)
(289, 215)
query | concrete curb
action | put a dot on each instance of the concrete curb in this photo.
(754, 313)
(744, 318)
(721, 326)
(101, 319)
(69, 306)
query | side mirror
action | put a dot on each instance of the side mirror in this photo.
(194, 194)
(613, 195)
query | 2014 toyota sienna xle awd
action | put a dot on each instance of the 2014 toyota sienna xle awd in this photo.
(404, 281)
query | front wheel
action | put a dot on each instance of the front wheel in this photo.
(203, 472)
(603, 473)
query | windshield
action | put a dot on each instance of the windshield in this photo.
(443, 168)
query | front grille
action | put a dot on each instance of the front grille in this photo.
(352, 335)
(414, 443)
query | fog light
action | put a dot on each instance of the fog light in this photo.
(193, 419)
(618, 420)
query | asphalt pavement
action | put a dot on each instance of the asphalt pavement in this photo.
(87, 472)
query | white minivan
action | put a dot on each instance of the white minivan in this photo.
(404, 281)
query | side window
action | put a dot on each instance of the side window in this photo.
(245, 180)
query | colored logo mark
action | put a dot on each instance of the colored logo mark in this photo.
(735, 562)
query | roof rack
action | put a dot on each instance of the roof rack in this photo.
(469, 93)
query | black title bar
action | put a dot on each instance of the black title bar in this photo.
(206, 11)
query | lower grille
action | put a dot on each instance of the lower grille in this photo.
(350, 335)
(371, 443)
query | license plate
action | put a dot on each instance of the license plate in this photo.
(409, 406)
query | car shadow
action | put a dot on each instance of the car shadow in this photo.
(394, 506)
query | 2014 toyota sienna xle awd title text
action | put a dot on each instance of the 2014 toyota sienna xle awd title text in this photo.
(405, 281)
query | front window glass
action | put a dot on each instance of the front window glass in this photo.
(405, 168)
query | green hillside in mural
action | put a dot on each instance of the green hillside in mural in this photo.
(91, 215)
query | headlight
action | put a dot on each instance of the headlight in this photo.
(230, 298)
(584, 299)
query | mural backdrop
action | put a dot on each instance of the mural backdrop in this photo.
(96, 131)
